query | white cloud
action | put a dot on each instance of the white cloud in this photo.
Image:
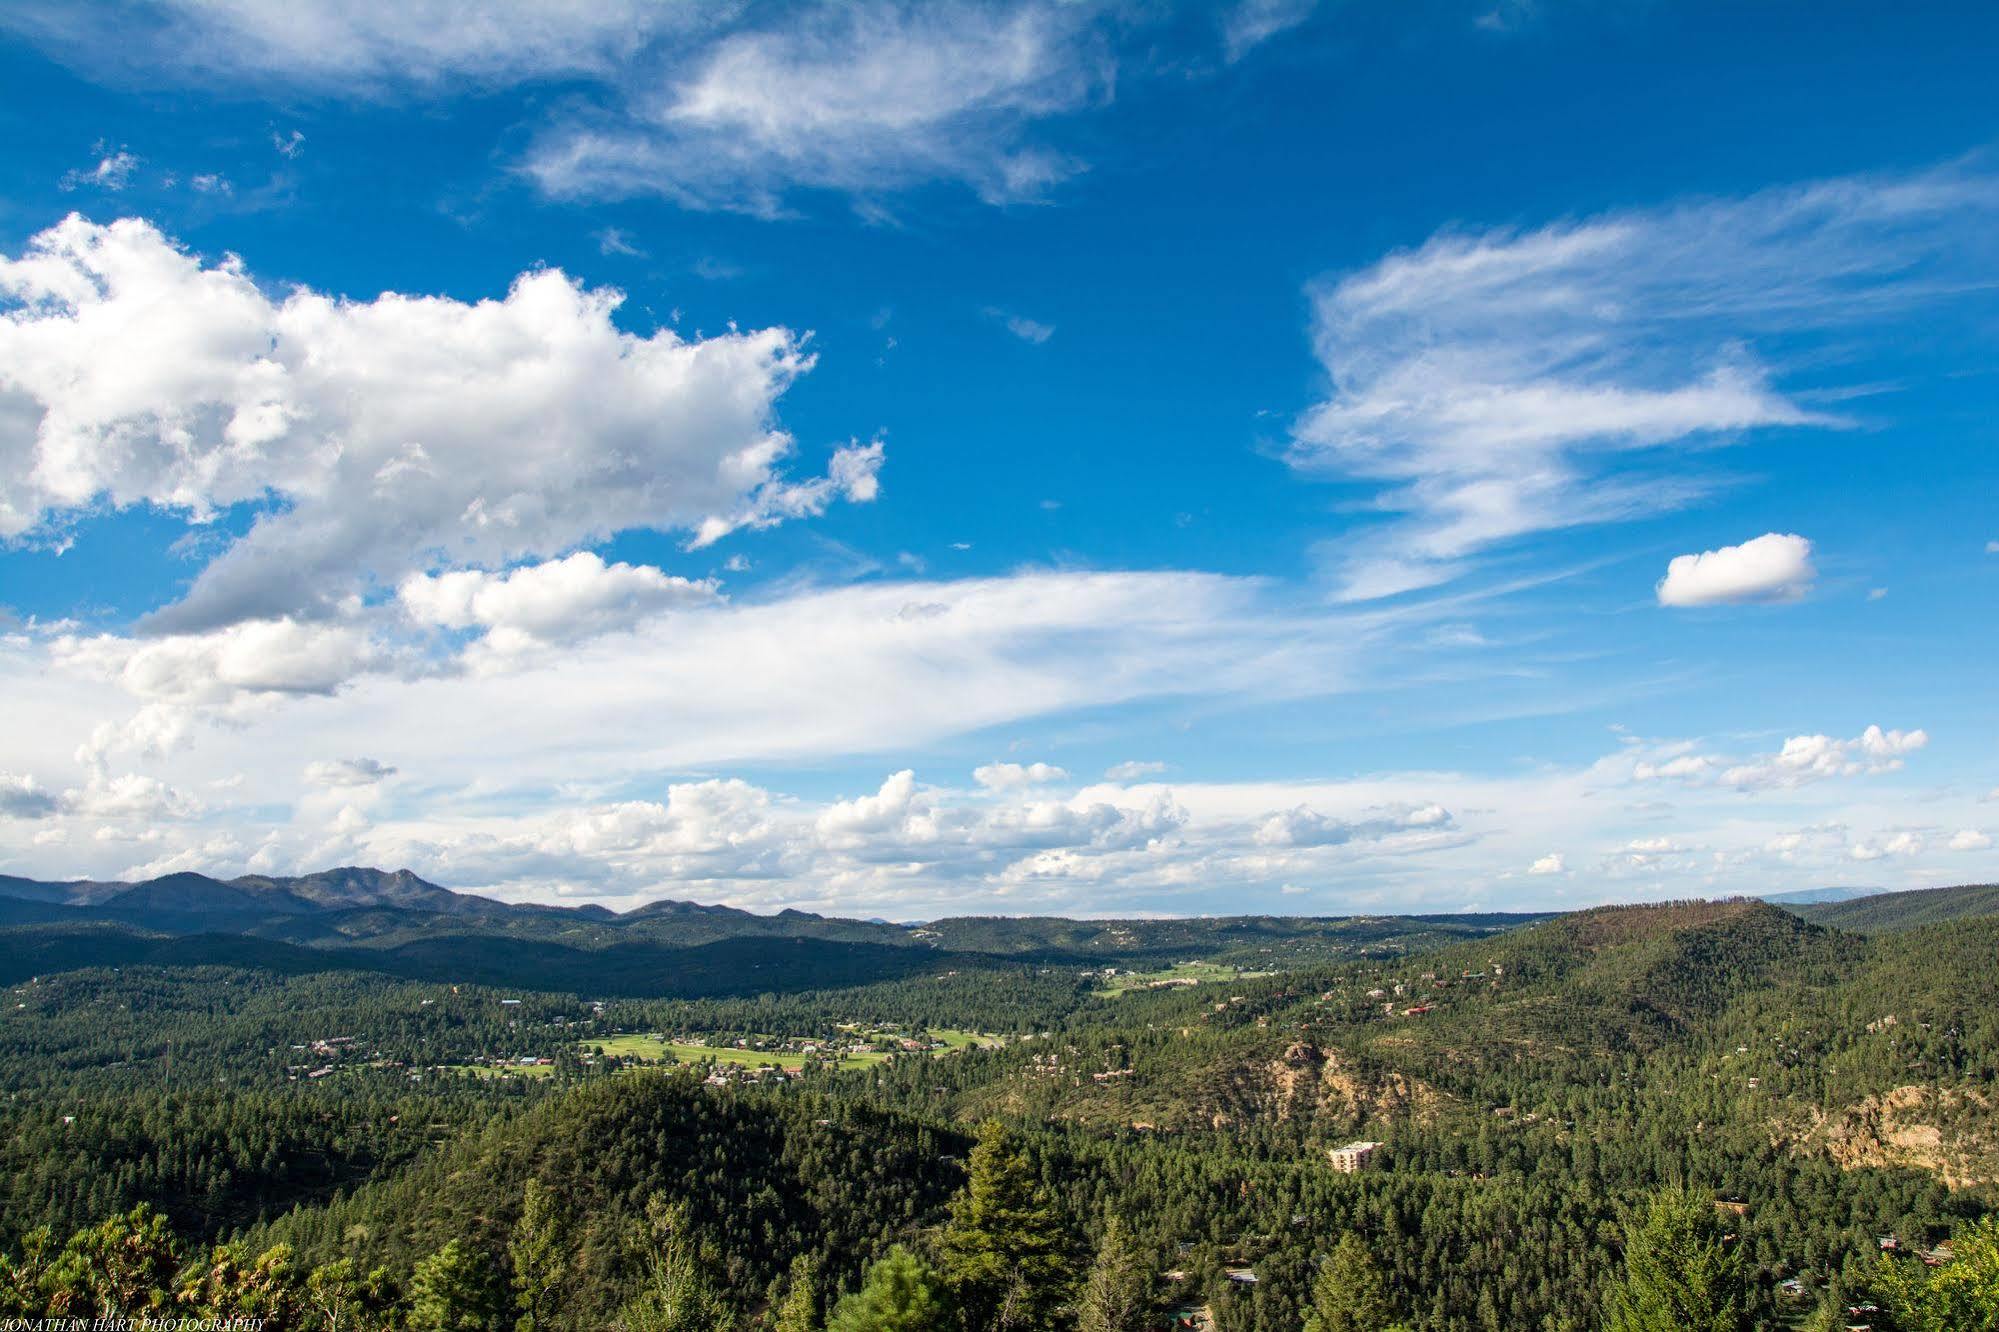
(817, 673)
(1027, 330)
(861, 98)
(1303, 826)
(1499, 384)
(1132, 770)
(347, 772)
(256, 657)
(397, 432)
(1810, 758)
(1896, 844)
(350, 46)
(722, 106)
(485, 808)
(1802, 759)
(290, 146)
(132, 797)
(1012, 776)
(614, 240)
(21, 797)
(1970, 839)
(129, 797)
(112, 172)
(558, 602)
(1250, 23)
(1677, 767)
(1772, 567)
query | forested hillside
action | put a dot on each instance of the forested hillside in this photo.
(997, 1128)
(1900, 911)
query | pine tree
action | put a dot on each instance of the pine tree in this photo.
(333, 1293)
(1005, 1249)
(227, 1284)
(1349, 1294)
(124, 1265)
(1680, 1273)
(675, 1294)
(899, 1294)
(453, 1291)
(537, 1254)
(1117, 1294)
(798, 1311)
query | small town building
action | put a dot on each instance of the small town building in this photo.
(1351, 1157)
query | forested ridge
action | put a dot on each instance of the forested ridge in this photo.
(1582, 1122)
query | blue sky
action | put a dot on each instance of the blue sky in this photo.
(1024, 457)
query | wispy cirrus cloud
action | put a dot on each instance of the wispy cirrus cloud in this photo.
(1502, 383)
(863, 99)
(725, 107)
(1248, 24)
(351, 47)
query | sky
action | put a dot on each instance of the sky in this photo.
(1040, 456)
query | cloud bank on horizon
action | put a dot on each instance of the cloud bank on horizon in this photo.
(679, 505)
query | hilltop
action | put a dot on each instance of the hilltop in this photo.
(1880, 912)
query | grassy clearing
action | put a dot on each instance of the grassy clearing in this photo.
(505, 1071)
(655, 1050)
(963, 1040)
(1180, 973)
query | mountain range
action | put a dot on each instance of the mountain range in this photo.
(354, 918)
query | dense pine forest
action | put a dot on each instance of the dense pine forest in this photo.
(350, 1102)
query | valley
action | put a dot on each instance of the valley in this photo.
(1532, 1083)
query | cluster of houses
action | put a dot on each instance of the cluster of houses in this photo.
(742, 1075)
(327, 1053)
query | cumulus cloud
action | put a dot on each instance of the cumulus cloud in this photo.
(256, 657)
(1303, 826)
(497, 811)
(1802, 759)
(1896, 844)
(1133, 770)
(1772, 567)
(131, 797)
(1811, 758)
(127, 797)
(395, 433)
(1009, 776)
(1502, 383)
(347, 772)
(1970, 839)
(22, 797)
(556, 602)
